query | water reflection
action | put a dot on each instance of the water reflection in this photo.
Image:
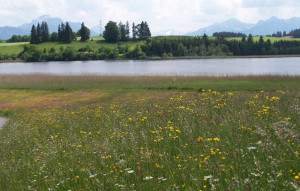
(232, 66)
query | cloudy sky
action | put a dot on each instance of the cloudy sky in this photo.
(179, 15)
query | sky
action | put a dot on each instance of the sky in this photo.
(161, 15)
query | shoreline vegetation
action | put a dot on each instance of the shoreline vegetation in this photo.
(149, 133)
(178, 58)
(172, 47)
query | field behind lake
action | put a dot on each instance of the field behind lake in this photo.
(94, 43)
(149, 133)
(97, 42)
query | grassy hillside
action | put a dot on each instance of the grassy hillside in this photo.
(149, 133)
(95, 43)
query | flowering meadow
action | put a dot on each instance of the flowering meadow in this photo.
(150, 140)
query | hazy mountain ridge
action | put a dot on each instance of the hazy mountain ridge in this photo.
(7, 32)
(263, 27)
(230, 25)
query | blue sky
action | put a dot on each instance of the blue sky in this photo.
(162, 15)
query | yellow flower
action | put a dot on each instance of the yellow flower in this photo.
(79, 146)
(77, 177)
(200, 139)
(297, 177)
(216, 139)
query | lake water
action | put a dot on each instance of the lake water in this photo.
(189, 67)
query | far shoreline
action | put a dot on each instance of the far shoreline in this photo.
(170, 58)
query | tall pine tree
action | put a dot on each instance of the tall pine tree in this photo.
(39, 33)
(147, 30)
(123, 32)
(33, 36)
(127, 30)
(134, 31)
(69, 36)
(45, 32)
(84, 33)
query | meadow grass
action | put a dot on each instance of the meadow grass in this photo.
(144, 83)
(13, 44)
(149, 133)
(95, 43)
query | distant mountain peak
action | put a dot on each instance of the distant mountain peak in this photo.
(273, 18)
(43, 17)
(263, 27)
(230, 25)
(232, 20)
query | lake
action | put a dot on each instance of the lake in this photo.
(188, 67)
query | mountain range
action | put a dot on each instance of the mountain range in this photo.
(7, 32)
(263, 27)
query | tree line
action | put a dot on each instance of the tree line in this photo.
(228, 34)
(204, 46)
(64, 33)
(114, 33)
(167, 47)
(294, 33)
(40, 33)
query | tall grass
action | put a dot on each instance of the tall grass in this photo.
(161, 141)
(193, 83)
(149, 139)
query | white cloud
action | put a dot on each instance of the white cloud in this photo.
(181, 15)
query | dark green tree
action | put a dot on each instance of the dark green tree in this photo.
(147, 30)
(61, 32)
(84, 33)
(250, 43)
(127, 30)
(54, 37)
(39, 33)
(69, 36)
(33, 36)
(45, 32)
(284, 33)
(134, 31)
(141, 31)
(123, 33)
(111, 33)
